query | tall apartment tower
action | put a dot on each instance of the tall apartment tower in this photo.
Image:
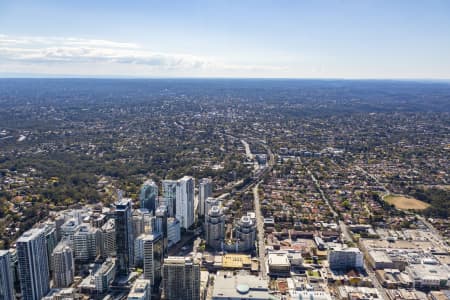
(51, 239)
(6, 276)
(108, 239)
(181, 278)
(215, 227)
(63, 265)
(141, 221)
(85, 242)
(149, 195)
(185, 201)
(33, 264)
(161, 224)
(210, 202)
(124, 236)
(169, 188)
(153, 258)
(204, 191)
(246, 233)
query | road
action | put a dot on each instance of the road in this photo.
(375, 281)
(260, 232)
(247, 150)
(387, 192)
(319, 188)
(346, 234)
(344, 231)
(256, 180)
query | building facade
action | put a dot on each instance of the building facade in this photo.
(246, 234)
(210, 202)
(204, 192)
(6, 276)
(85, 242)
(348, 258)
(108, 239)
(181, 278)
(153, 258)
(161, 224)
(124, 236)
(185, 201)
(63, 265)
(149, 195)
(169, 188)
(173, 232)
(33, 264)
(141, 221)
(215, 228)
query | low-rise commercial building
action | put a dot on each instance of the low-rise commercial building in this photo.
(240, 286)
(141, 290)
(346, 259)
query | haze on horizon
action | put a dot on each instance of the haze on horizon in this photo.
(268, 39)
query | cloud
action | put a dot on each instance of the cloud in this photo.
(58, 52)
(75, 50)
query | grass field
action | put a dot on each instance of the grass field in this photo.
(403, 202)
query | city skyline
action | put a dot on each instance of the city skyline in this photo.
(215, 39)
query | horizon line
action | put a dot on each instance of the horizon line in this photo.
(121, 77)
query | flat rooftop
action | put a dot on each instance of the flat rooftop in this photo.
(240, 286)
(236, 261)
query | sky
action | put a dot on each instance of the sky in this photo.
(358, 39)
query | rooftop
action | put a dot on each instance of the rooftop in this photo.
(139, 289)
(240, 286)
(30, 235)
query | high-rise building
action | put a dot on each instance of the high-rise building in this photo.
(68, 229)
(169, 188)
(348, 258)
(63, 265)
(246, 234)
(141, 290)
(161, 224)
(210, 202)
(181, 278)
(85, 241)
(105, 275)
(173, 232)
(6, 276)
(108, 239)
(97, 219)
(59, 221)
(139, 251)
(185, 201)
(124, 236)
(149, 195)
(15, 267)
(33, 264)
(51, 238)
(204, 191)
(153, 258)
(141, 221)
(215, 227)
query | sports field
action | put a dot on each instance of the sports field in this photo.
(403, 202)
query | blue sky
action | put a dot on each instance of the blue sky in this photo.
(229, 38)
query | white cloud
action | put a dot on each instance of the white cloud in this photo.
(53, 53)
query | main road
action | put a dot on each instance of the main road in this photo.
(254, 184)
(346, 234)
(260, 232)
